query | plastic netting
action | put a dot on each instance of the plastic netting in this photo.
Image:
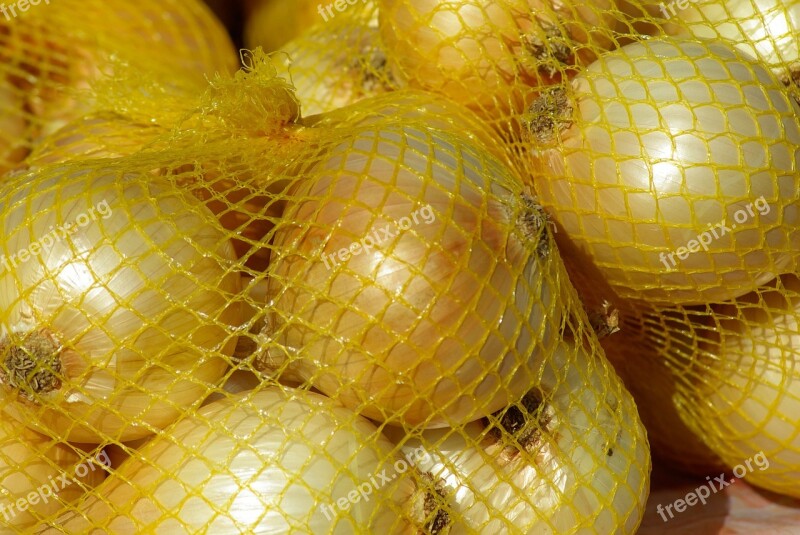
(378, 280)
(662, 138)
(334, 301)
(52, 53)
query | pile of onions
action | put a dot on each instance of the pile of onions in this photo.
(269, 461)
(671, 165)
(117, 306)
(450, 312)
(570, 456)
(39, 476)
(487, 54)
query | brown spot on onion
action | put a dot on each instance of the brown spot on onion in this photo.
(31, 365)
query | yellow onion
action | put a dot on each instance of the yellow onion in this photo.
(748, 399)
(717, 385)
(671, 165)
(49, 57)
(488, 54)
(271, 461)
(572, 456)
(329, 77)
(116, 302)
(271, 24)
(766, 29)
(95, 136)
(448, 315)
(39, 476)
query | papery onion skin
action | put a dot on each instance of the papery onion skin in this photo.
(265, 463)
(585, 465)
(126, 290)
(445, 322)
(29, 462)
(487, 54)
(661, 142)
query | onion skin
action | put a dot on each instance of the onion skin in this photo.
(471, 288)
(632, 176)
(29, 462)
(585, 462)
(252, 472)
(126, 317)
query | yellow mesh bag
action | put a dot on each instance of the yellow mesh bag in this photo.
(718, 384)
(51, 53)
(384, 261)
(662, 138)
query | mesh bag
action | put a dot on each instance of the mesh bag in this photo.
(51, 53)
(378, 280)
(717, 385)
(662, 139)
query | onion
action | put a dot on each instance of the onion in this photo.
(271, 461)
(718, 385)
(572, 456)
(117, 303)
(327, 78)
(749, 398)
(487, 54)
(49, 57)
(273, 23)
(445, 320)
(39, 475)
(660, 145)
(92, 137)
(766, 29)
